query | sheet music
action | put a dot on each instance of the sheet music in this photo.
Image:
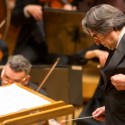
(14, 98)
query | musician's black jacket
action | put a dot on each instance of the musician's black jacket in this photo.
(30, 41)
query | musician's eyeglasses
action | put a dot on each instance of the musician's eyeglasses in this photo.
(8, 80)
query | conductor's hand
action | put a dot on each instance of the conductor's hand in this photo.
(99, 114)
(34, 10)
(118, 81)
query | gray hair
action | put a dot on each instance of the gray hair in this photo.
(103, 19)
(19, 63)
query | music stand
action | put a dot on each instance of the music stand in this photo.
(36, 114)
(62, 83)
(63, 31)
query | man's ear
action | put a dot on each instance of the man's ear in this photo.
(2, 72)
(27, 80)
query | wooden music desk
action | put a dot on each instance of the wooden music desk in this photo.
(34, 108)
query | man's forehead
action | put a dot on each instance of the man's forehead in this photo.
(9, 71)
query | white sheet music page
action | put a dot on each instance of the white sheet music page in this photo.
(14, 98)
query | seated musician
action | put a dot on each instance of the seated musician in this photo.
(17, 70)
(28, 15)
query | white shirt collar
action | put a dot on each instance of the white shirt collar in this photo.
(120, 36)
